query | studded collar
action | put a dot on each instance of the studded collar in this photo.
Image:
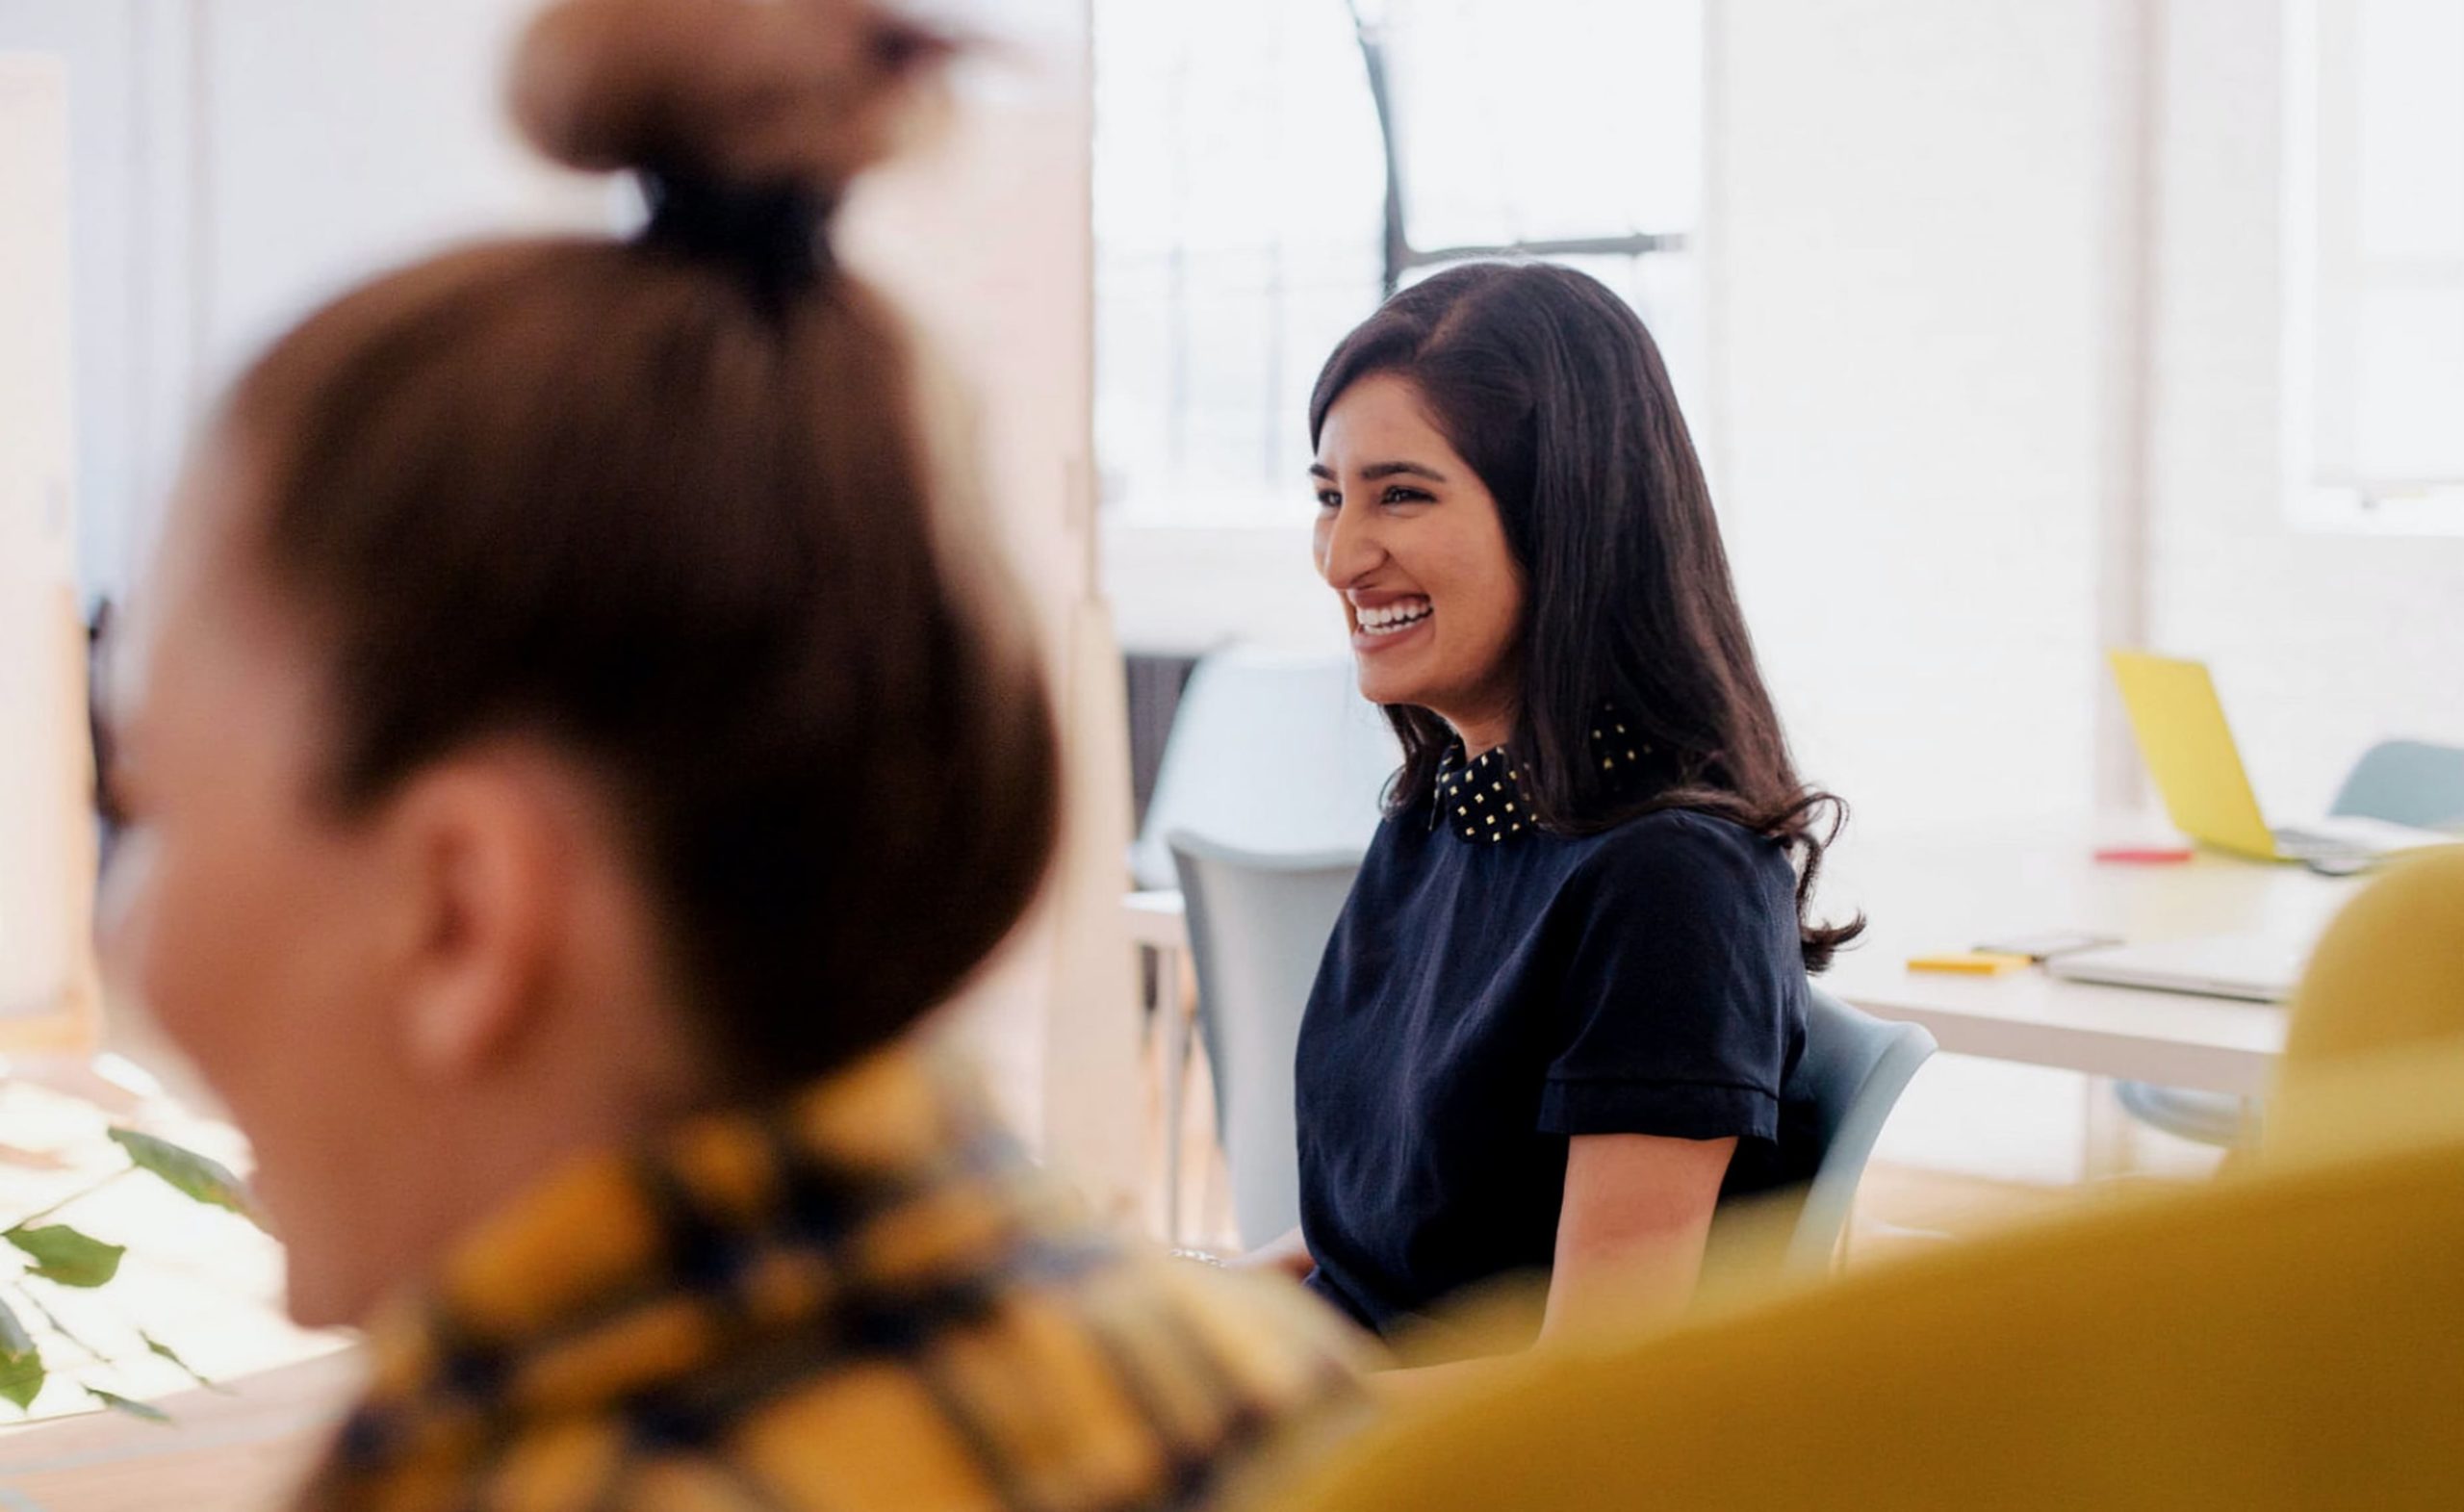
(1482, 800)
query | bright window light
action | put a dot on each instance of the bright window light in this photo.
(1240, 183)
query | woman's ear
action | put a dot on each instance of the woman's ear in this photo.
(479, 849)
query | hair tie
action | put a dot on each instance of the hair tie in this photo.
(771, 234)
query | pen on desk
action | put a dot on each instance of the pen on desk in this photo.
(1971, 963)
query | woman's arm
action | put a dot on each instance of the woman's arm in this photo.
(1630, 1234)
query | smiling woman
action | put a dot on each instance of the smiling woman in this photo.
(1554, 1020)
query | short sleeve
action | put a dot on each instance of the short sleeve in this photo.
(1682, 1001)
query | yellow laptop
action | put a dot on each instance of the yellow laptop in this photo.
(2191, 755)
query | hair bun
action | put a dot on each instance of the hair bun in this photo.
(740, 92)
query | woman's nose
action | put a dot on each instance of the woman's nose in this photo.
(1347, 547)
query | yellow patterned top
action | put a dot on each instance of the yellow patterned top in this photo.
(862, 1299)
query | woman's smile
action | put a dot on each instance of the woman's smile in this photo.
(1392, 624)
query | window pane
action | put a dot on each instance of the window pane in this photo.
(1232, 125)
(1135, 348)
(1239, 196)
(2411, 393)
(1548, 118)
(2411, 111)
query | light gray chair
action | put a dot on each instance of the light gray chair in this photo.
(2402, 781)
(1258, 924)
(1273, 749)
(1852, 1071)
(1276, 750)
(2406, 782)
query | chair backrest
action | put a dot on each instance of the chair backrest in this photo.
(1853, 1070)
(2406, 782)
(1273, 749)
(1258, 924)
(2385, 978)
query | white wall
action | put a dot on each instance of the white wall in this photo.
(340, 139)
(2321, 643)
(131, 366)
(1910, 268)
(235, 165)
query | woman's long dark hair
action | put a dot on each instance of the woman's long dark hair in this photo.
(1550, 388)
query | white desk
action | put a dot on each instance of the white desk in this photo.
(1928, 895)
(1156, 920)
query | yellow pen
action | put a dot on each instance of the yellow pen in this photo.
(1972, 962)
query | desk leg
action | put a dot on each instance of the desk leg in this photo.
(2107, 1145)
(1172, 1030)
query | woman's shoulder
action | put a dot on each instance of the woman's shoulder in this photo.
(1687, 854)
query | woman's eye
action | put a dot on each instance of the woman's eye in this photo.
(1328, 499)
(1404, 495)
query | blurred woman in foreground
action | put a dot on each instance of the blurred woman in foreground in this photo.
(568, 757)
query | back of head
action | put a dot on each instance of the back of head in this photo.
(664, 503)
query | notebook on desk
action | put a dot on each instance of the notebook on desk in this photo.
(2190, 751)
(2255, 968)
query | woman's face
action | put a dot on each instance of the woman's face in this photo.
(254, 926)
(1410, 538)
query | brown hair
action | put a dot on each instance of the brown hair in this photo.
(666, 504)
(1552, 389)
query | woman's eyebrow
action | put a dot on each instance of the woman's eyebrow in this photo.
(1377, 470)
(1381, 470)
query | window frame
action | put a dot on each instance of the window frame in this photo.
(1396, 261)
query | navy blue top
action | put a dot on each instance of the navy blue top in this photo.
(1492, 990)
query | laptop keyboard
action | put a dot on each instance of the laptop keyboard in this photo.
(2328, 854)
(2305, 843)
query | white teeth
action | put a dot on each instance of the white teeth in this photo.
(1394, 617)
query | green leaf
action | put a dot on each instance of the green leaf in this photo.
(21, 1368)
(189, 1174)
(67, 1257)
(21, 1380)
(144, 1411)
(157, 1346)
